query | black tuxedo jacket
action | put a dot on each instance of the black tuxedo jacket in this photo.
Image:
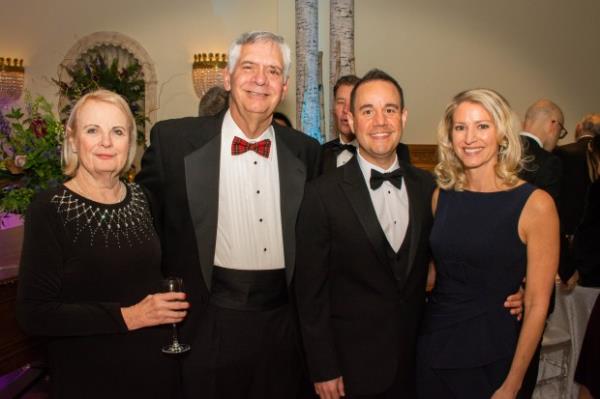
(329, 157)
(542, 169)
(575, 183)
(358, 319)
(181, 170)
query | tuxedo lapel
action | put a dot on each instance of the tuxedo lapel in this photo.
(292, 176)
(329, 157)
(202, 168)
(356, 191)
(416, 206)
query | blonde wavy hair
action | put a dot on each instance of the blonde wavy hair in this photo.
(70, 160)
(449, 171)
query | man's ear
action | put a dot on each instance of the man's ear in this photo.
(226, 79)
(351, 122)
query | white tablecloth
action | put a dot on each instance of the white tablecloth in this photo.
(571, 313)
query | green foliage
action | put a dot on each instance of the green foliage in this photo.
(30, 148)
(94, 73)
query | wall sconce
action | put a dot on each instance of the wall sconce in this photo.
(12, 79)
(207, 71)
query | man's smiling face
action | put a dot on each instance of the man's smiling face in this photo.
(257, 83)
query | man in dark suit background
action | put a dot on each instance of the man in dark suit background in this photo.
(340, 150)
(542, 128)
(574, 186)
(227, 192)
(362, 256)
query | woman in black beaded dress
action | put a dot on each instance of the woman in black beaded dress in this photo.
(90, 267)
(490, 230)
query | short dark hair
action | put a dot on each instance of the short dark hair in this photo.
(282, 117)
(372, 75)
(346, 80)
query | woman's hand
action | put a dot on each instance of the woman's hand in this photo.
(505, 393)
(163, 308)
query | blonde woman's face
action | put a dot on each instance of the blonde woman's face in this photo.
(474, 136)
(101, 138)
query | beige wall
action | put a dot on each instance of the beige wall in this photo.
(524, 49)
(43, 31)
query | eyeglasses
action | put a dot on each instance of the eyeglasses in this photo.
(563, 131)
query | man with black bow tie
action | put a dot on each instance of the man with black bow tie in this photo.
(337, 152)
(362, 256)
(228, 190)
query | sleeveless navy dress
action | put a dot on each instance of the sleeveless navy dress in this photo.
(468, 338)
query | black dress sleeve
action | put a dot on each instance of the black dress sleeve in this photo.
(40, 308)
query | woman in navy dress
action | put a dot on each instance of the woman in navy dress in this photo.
(491, 230)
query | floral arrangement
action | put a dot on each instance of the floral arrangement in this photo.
(93, 72)
(30, 145)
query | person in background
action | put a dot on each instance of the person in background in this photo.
(282, 119)
(574, 187)
(490, 230)
(213, 102)
(543, 126)
(90, 267)
(228, 190)
(340, 150)
(586, 254)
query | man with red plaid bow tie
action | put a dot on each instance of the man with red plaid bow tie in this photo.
(227, 190)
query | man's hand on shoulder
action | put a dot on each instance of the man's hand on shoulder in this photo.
(332, 389)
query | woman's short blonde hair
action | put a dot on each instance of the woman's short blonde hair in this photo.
(449, 171)
(70, 160)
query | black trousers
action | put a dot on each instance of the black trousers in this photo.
(246, 344)
(246, 355)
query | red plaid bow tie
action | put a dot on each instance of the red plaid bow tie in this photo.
(240, 146)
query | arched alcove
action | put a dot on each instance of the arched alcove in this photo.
(113, 45)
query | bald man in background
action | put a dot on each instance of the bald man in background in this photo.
(542, 128)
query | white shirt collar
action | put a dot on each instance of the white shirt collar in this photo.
(366, 166)
(532, 136)
(353, 142)
(230, 129)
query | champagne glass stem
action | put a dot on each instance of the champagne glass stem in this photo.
(175, 335)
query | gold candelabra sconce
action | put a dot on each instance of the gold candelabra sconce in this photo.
(12, 80)
(207, 71)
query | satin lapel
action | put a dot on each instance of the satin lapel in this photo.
(202, 184)
(416, 206)
(292, 176)
(356, 191)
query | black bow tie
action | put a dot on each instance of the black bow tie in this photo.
(377, 178)
(339, 147)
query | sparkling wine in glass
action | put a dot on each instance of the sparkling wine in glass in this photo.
(174, 284)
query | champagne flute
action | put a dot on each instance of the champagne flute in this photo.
(174, 284)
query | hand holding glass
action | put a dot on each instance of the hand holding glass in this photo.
(174, 284)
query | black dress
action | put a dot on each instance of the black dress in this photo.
(81, 262)
(586, 243)
(468, 338)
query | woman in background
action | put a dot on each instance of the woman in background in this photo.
(586, 250)
(491, 229)
(90, 258)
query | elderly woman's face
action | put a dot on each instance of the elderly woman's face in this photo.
(101, 138)
(473, 136)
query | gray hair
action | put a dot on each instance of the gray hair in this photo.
(253, 37)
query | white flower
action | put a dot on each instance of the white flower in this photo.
(20, 161)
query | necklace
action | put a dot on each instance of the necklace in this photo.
(94, 195)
